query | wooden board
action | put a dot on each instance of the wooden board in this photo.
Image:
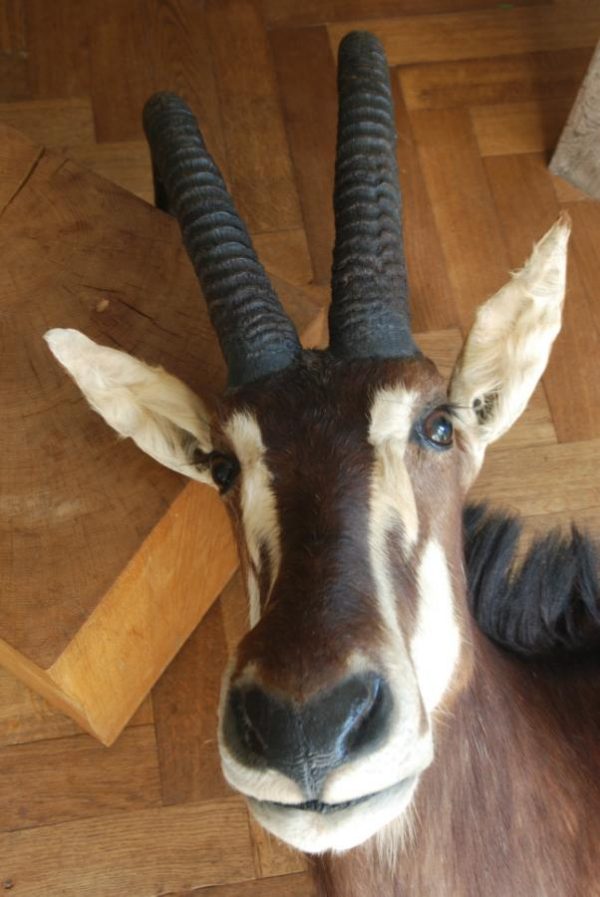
(490, 32)
(103, 553)
(150, 851)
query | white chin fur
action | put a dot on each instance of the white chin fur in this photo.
(314, 832)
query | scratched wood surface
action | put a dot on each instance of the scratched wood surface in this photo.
(482, 91)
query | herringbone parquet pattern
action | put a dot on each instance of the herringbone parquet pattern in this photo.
(482, 91)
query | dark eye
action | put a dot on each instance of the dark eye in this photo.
(224, 470)
(437, 428)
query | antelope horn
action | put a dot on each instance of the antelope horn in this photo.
(369, 310)
(255, 334)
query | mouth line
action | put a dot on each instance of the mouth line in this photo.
(318, 806)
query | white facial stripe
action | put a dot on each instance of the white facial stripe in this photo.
(258, 505)
(253, 598)
(393, 498)
(435, 646)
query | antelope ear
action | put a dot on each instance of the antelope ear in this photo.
(159, 412)
(507, 349)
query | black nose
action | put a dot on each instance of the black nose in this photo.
(308, 741)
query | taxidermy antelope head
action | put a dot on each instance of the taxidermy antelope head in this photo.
(344, 471)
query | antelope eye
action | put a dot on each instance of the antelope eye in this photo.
(437, 428)
(224, 470)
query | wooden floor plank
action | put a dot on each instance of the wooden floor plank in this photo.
(138, 854)
(26, 717)
(52, 123)
(463, 208)
(536, 480)
(234, 609)
(260, 169)
(172, 53)
(185, 702)
(586, 227)
(496, 79)
(527, 206)
(58, 44)
(309, 100)
(532, 126)
(282, 13)
(298, 885)
(431, 296)
(56, 781)
(126, 163)
(12, 27)
(285, 254)
(567, 193)
(470, 35)
(14, 77)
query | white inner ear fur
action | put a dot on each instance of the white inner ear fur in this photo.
(145, 403)
(507, 349)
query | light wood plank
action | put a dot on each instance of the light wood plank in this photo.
(259, 165)
(527, 206)
(138, 853)
(499, 79)
(463, 208)
(170, 574)
(185, 702)
(505, 129)
(470, 35)
(26, 717)
(309, 102)
(56, 781)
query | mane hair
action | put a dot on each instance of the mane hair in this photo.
(546, 603)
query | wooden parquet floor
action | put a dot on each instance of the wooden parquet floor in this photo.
(482, 90)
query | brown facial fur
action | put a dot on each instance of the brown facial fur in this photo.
(314, 419)
(510, 806)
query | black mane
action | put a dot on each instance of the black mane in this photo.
(546, 603)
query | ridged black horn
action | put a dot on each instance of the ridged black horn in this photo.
(256, 336)
(369, 311)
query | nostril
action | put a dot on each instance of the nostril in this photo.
(252, 712)
(367, 717)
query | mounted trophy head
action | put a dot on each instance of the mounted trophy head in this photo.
(344, 471)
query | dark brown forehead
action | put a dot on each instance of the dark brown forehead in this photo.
(320, 390)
